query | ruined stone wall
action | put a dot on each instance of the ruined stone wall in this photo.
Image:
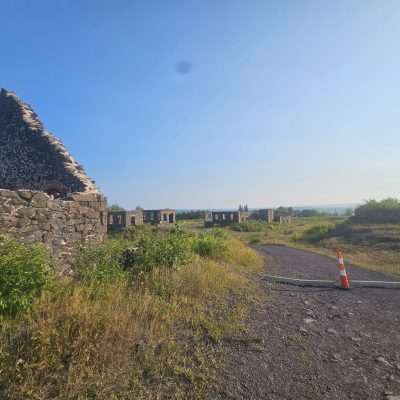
(61, 224)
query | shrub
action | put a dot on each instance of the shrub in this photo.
(385, 211)
(24, 273)
(212, 245)
(100, 264)
(168, 250)
(317, 233)
(135, 251)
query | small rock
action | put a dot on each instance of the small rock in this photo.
(310, 313)
(303, 331)
(383, 361)
(332, 331)
(348, 314)
(332, 308)
(355, 339)
(359, 302)
(398, 366)
(306, 302)
(309, 320)
(336, 357)
(391, 397)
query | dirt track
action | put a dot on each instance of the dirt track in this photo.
(308, 343)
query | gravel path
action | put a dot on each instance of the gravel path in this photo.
(308, 343)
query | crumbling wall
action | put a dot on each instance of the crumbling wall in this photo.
(61, 224)
(45, 195)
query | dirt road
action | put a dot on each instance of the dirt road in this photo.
(308, 343)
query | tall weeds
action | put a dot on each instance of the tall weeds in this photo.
(124, 335)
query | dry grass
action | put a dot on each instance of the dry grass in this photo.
(374, 247)
(153, 339)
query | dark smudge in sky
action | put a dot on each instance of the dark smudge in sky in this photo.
(183, 67)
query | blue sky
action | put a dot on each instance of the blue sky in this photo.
(285, 102)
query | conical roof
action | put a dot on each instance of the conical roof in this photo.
(31, 157)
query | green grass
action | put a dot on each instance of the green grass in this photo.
(372, 246)
(146, 333)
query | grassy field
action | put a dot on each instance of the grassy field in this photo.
(376, 246)
(149, 332)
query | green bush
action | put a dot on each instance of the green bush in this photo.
(24, 274)
(316, 233)
(212, 245)
(135, 251)
(100, 264)
(169, 250)
(378, 212)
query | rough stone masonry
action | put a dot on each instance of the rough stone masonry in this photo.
(45, 195)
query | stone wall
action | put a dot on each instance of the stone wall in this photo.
(61, 224)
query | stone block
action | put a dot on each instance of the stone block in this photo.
(25, 194)
(40, 200)
(28, 212)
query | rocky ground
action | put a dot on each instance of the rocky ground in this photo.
(310, 343)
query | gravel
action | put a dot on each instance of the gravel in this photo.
(348, 349)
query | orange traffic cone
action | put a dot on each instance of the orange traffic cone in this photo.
(344, 281)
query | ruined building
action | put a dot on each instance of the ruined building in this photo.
(118, 220)
(159, 217)
(224, 218)
(45, 195)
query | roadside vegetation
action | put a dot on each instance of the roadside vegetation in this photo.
(374, 245)
(142, 316)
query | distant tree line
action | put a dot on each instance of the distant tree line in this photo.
(115, 207)
(379, 212)
(307, 213)
(191, 214)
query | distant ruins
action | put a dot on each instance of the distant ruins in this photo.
(118, 220)
(45, 195)
(225, 218)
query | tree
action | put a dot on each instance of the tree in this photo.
(348, 212)
(115, 207)
(284, 212)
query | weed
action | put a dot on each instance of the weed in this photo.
(24, 274)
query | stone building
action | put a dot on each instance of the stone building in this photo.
(45, 195)
(118, 220)
(224, 218)
(159, 217)
(266, 215)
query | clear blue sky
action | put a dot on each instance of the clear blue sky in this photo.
(284, 103)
